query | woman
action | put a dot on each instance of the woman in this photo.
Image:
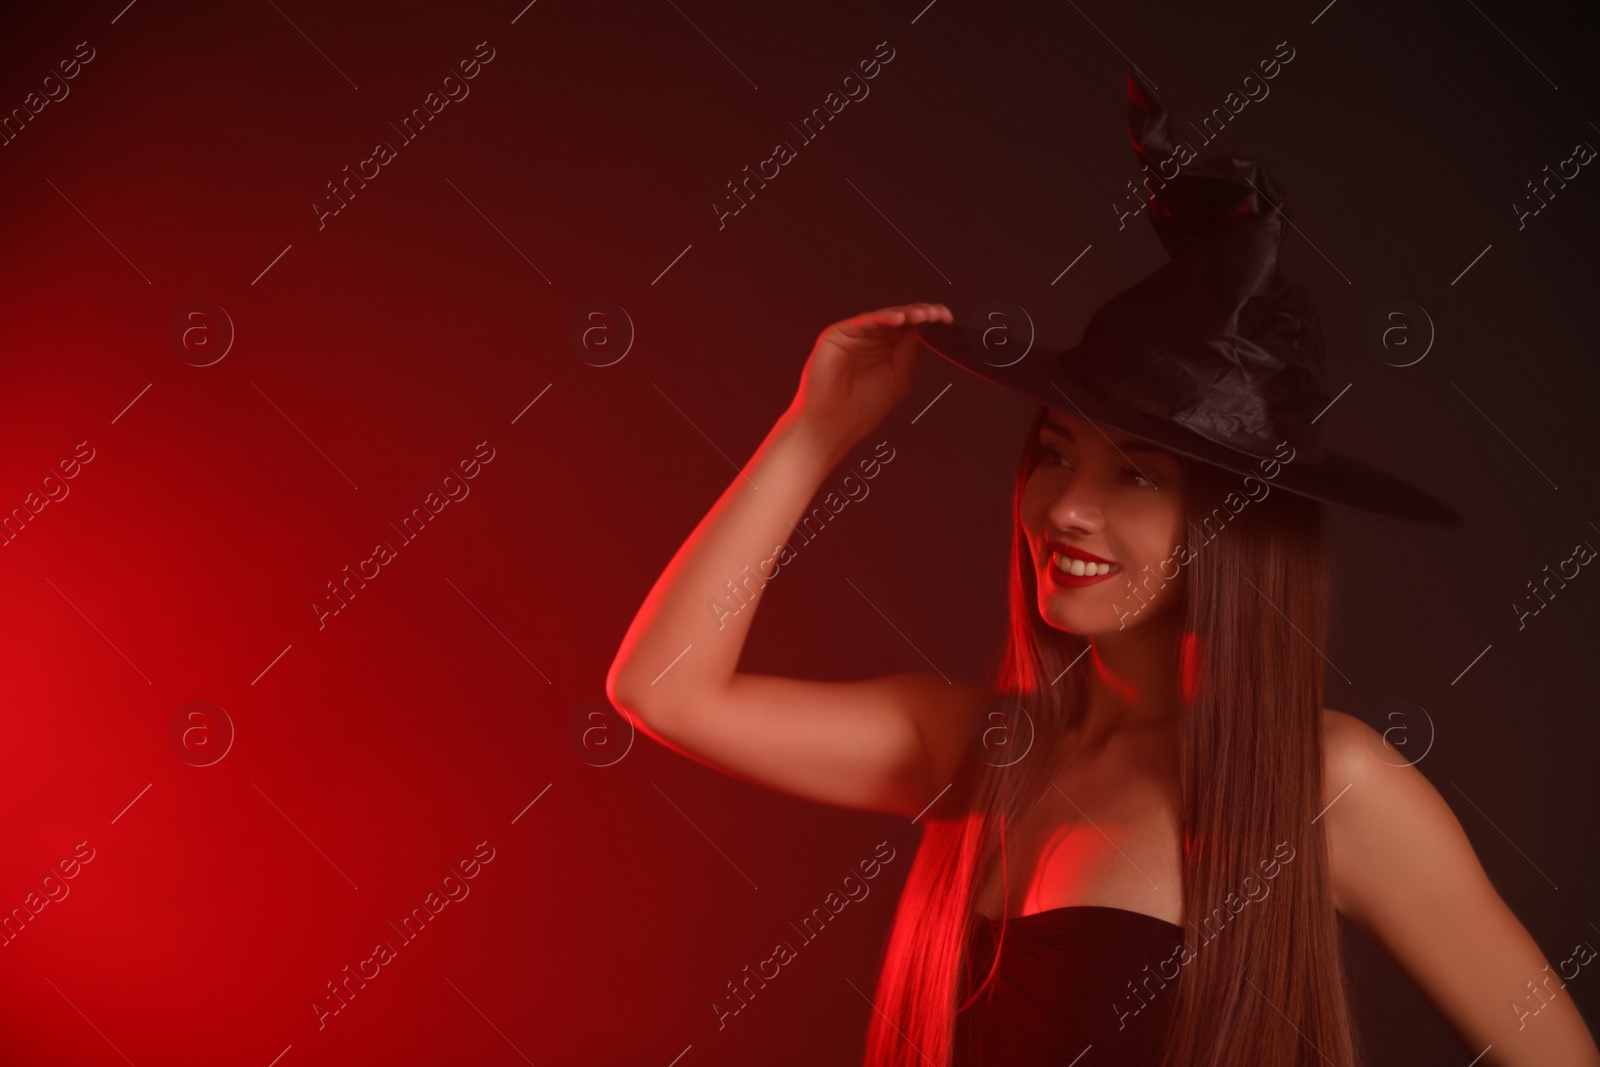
(1139, 837)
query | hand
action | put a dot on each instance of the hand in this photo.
(859, 369)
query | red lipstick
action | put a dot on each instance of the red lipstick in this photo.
(1062, 579)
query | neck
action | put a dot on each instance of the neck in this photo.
(1133, 681)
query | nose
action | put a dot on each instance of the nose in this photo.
(1078, 506)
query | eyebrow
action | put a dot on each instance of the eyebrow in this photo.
(1134, 445)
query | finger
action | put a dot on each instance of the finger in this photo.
(891, 319)
(927, 312)
(874, 322)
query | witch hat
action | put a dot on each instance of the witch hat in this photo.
(1217, 355)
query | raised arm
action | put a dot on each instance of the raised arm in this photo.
(853, 744)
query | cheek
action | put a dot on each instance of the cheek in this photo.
(1153, 527)
(1035, 502)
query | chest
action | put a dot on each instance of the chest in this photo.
(1105, 833)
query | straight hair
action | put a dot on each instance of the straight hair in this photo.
(1268, 986)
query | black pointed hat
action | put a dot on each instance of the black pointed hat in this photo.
(1216, 355)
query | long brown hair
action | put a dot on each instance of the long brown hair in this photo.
(1261, 982)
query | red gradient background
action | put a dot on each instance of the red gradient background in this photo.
(375, 752)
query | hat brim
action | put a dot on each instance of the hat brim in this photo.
(1337, 478)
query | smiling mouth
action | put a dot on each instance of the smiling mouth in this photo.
(1080, 568)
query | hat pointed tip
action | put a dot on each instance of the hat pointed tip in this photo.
(1147, 120)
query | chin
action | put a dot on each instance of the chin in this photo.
(1086, 620)
(1092, 618)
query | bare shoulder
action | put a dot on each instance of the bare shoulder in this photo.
(1381, 815)
(1353, 752)
(1405, 874)
(1346, 742)
(1365, 777)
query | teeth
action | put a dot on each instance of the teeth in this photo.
(1080, 568)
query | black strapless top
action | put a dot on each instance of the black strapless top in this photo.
(1062, 988)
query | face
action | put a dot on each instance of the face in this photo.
(1099, 494)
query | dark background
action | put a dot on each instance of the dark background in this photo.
(371, 755)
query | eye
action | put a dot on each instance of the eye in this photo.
(1053, 455)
